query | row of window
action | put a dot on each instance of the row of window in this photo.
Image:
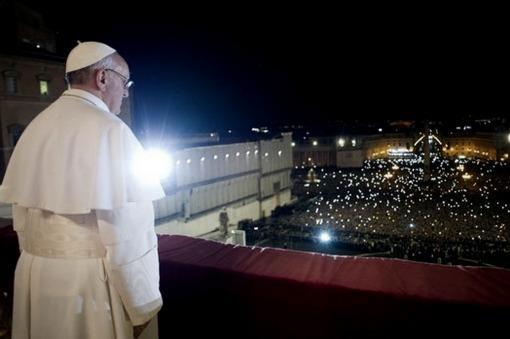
(11, 83)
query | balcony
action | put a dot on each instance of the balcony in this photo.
(215, 290)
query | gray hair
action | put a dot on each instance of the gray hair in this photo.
(82, 76)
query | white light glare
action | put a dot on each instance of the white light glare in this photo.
(153, 163)
(325, 237)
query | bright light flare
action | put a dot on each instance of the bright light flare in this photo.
(153, 163)
(325, 237)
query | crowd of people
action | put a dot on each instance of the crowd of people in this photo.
(461, 213)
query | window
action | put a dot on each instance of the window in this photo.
(276, 187)
(43, 87)
(43, 79)
(11, 81)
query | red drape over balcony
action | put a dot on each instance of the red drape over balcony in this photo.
(215, 290)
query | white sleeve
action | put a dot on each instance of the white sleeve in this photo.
(19, 220)
(132, 260)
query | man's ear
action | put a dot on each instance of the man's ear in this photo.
(100, 79)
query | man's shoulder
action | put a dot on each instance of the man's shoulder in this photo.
(74, 120)
(80, 112)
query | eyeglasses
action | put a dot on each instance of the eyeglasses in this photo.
(127, 83)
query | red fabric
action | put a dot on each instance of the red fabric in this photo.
(209, 287)
(392, 277)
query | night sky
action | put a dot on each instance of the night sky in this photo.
(204, 69)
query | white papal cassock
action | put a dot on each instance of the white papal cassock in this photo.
(89, 265)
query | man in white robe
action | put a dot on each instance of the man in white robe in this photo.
(89, 264)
